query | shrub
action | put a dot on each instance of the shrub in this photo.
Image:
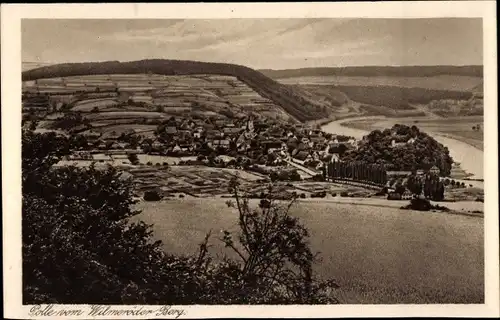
(149, 163)
(152, 196)
(302, 195)
(276, 230)
(394, 196)
(334, 194)
(319, 177)
(295, 176)
(133, 158)
(181, 196)
(420, 204)
(344, 194)
(382, 192)
(94, 254)
(321, 194)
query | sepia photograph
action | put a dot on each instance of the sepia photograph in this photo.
(175, 162)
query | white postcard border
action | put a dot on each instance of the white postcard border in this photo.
(11, 16)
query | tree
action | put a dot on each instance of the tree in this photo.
(133, 158)
(33, 125)
(81, 247)
(414, 185)
(273, 237)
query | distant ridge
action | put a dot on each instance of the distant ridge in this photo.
(403, 71)
(292, 100)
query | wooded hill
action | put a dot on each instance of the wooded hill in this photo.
(292, 100)
(389, 71)
(414, 150)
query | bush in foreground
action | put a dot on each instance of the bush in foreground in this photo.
(80, 246)
(152, 196)
(423, 205)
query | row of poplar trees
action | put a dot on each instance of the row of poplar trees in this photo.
(357, 171)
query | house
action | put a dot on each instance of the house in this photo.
(249, 125)
(352, 142)
(420, 172)
(176, 148)
(335, 157)
(244, 146)
(80, 155)
(302, 156)
(184, 134)
(395, 144)
(157, 144)
(214, 134)
(199, 122)
(220, 123)
(303, 146)
(276, 132)
(101, 157)
(186, 147)
(434, 170)
(121, 145)
(219, 143)
(321, 147)
(284, 147)
(394, 196)
(231, 130)
(171, 130)
(407, 195)
(274, 144)
(208, 126)
(397, 174)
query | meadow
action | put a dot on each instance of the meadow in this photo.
(377, 255)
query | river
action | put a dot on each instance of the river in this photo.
(469, 157)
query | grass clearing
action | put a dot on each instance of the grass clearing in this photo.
(377, 255)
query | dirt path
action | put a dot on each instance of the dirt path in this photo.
(302, 168)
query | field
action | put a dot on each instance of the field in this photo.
(234, 86)
(440, 95)
(135, 98)
(442, 82)
(378, 255)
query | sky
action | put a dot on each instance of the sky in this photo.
(258, 43)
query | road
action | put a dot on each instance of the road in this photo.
(302, 168)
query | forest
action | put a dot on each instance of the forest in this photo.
(415, 150)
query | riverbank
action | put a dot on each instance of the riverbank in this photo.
(469, 157)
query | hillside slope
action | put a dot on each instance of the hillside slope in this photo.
(388, 71)
(293, 101)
